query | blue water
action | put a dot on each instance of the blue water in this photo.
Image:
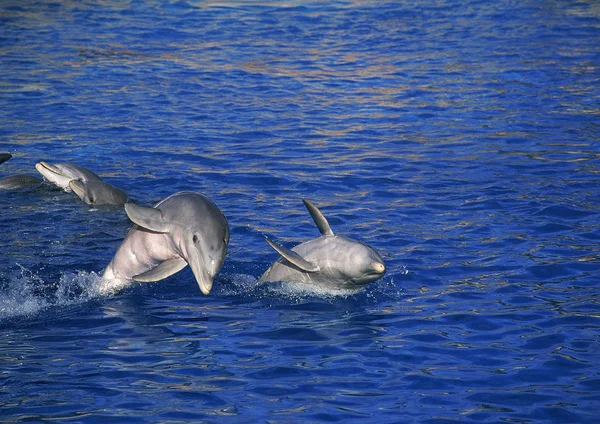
(461, 139)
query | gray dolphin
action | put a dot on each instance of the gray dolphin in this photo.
(98, 193)
(16, 181)
(19, 181)
(186, 228)
(331, 261)
(61, 174)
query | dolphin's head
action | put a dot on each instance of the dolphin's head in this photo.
(203, 235)
(357, 263)
(55, 173)
(204, 248)
(61, 174)
(198, 231)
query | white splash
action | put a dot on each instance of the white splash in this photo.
(27, 293)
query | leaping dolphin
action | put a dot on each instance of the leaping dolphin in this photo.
(98, 193)
(61, 174)
(186, 228)
(332, 261)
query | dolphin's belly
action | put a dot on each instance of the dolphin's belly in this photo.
(140, 252)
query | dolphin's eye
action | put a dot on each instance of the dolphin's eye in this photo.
(195, 238)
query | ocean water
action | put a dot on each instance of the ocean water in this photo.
(460, 139)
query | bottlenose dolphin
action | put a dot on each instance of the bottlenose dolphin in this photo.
(61, 174)
(331, 261)
(186, 228)
(16, 181)
(98, 193)
(19, 181)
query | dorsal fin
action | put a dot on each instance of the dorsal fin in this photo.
(319, 219)
(149, 218)
(293, 258)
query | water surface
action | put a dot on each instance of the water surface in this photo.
(459, 139)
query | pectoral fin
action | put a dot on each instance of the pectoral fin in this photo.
(163, 270)
(319, 219)
(149, 218)
(293, 258)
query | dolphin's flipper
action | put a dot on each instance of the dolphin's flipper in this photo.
(163, 270)
(319, 219)
(294, 258)
(149, 218)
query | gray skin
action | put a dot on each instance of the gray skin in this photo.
(331, 261)
(186, 228)
(98, 193)
(61, 174)
(17, 181)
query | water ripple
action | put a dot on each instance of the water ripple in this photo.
(459, 139)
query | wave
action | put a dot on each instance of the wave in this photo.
(26, 292)
(244, 285)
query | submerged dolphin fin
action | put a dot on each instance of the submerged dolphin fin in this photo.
(163, 270)
(294, 258)
(318, 217)
(149, 218)
(4, 157)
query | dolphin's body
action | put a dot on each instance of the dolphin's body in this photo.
(61, 174)
(331, 261)
(186, 228)
(98, 193)
(17, 181)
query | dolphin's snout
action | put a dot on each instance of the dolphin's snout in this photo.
(205, 283)
(45, 166)
(378, 267)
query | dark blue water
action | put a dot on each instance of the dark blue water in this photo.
(461, 139)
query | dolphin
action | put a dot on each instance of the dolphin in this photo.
(98, 193)
(16, 181)
(330, 261)
(19, 181)
(61, 174)
(186, 228)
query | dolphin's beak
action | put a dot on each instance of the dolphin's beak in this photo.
(46, 168)
(199, 268)
(52, 174)
(204, 281)
(378, 267)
